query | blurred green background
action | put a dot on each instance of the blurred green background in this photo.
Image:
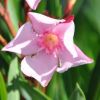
(79, 83)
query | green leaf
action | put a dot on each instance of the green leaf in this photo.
(77, 94)
(3, 92)
(88, 40)
(4, 31)
(13, 93)
(94, 85)
(14, 10)
(97, 93)
(86, 37)
(7, 59)
(56, 89)
(41, 7)
(69, 81)
(4, 61)
(55, 8)
(77, 6)
(13, 70)
(30, 93)
(92, 12)
(78, 74)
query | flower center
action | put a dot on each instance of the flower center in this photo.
(49, 42)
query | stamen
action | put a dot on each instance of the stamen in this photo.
(50, 42)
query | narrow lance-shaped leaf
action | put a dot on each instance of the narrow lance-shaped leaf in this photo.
(13, 7)
(55, 8)
(13, 93)
(77, 94)
(41, 7)
(56, 88)
(94, 84)
(3, 92)
(92, 12)
(30, 93)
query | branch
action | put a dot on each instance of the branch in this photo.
(69, 7)
(3, 41)
(5, 3)
(6, 17)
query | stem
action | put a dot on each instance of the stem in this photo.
(5, 3)
(36, 84)
(6, 17)
(3, 41)
(69, 7)
(26, 9)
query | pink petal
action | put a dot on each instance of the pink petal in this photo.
(33, 3)
(68, 39)
(82, 58)
(41, 67)
(42, 23)
(24, 42)
(67, 61)
(66, 32)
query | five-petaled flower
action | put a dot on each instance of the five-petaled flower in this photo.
(48, 46)
(33, 3)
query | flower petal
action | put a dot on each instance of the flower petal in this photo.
(41, 67)
(66, 32)
(33, 3)
(67, 61)
(24, 42)
(68, 39)
(42, 23)
(82, 58)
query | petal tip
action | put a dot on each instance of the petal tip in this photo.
(44, 83)
(4, 49)
(90, 60)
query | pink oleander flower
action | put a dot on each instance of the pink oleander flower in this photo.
(48, 46)
(33, 3)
